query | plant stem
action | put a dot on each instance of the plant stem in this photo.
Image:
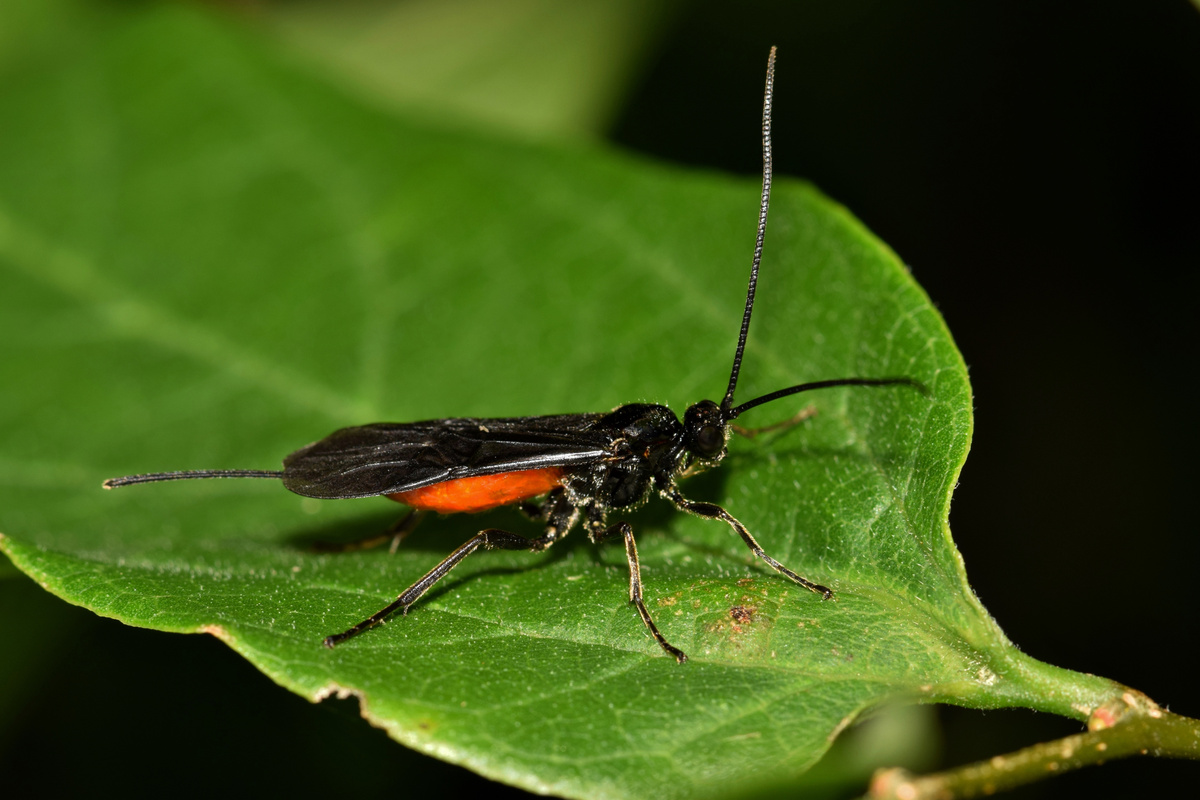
(1126, 726)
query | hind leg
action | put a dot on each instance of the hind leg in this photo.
(396, 533)
(561, 516)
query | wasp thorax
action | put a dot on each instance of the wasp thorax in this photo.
(705, 430)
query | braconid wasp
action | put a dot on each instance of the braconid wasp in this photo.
(584, 466)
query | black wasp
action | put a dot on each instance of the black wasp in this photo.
(585, 465)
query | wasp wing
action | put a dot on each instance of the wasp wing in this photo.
(385, 458)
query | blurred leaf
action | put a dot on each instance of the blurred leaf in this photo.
(894, 735)
(33, 28)
(210, 260)
(529, 66)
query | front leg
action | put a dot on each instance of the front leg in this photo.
(714, 511)
(783, 425)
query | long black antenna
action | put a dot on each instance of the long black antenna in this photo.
(765, 203)
(807, 387)
(154, 477)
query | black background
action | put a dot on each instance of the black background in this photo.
(1037, 165)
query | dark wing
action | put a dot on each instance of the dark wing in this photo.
(396, 457)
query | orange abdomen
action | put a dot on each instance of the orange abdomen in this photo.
(481, 492)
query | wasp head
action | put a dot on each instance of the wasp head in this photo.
(705, 431)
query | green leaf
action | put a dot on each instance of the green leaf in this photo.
(520, 65)
(210, 260)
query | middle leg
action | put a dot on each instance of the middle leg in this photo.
(623, 529)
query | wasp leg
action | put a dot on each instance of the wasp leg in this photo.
(397, 533)
(791, 422)
(625, 530)
(540, 512)
(562, 518)
(714, 511)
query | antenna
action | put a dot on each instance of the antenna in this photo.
(155, 477)
(728, 412)
(733, 413)
(764, 204)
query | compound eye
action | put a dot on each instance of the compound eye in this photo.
(709, 441)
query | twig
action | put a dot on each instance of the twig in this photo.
(1130, 725)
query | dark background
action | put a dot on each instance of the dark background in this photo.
(1036, 164)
